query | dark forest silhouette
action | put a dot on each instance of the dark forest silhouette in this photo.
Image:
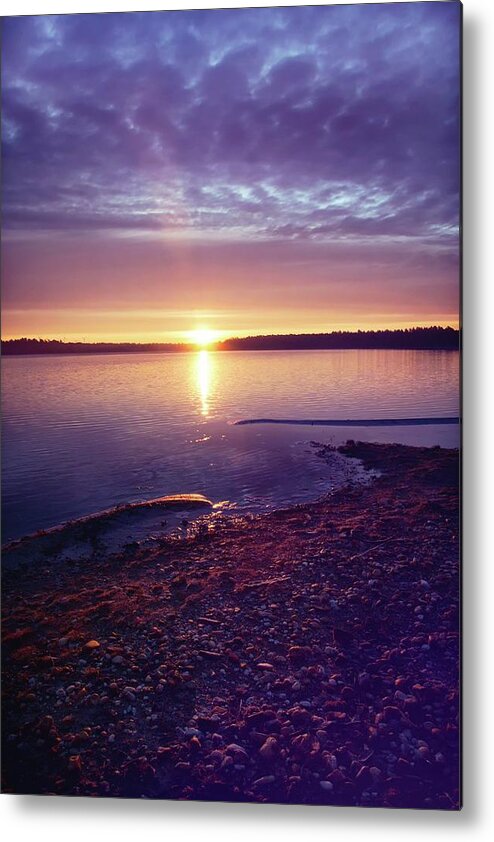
(440, 338)
(419, 338)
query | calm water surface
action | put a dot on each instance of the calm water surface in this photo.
(83, 433)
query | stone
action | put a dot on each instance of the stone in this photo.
(269, 749)
(266, 780)
(299, 654)
(237, 752)
(327, 786)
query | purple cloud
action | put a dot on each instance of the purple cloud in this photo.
(360, 96)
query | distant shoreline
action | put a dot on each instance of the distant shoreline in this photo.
(348, 422)
(416, 339)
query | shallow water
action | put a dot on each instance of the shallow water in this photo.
(84, 433)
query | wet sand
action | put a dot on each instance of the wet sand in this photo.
(309, 655)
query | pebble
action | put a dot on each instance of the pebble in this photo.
(326, 785)
(269, 749)
(266, 780)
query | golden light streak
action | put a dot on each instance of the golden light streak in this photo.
(204, 380)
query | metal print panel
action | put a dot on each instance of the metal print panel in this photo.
(230, 403)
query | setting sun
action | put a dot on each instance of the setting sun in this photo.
(204, 337)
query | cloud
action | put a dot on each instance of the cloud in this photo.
(364, 99)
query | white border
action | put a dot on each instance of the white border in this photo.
(45, 7)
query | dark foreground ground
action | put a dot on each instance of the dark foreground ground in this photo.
(305, 656)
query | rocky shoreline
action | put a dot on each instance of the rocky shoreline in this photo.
(309, 655)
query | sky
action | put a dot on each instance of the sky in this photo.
(247, 171)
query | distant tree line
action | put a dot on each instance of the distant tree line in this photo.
(57, 346)
(418, 338)
(425, 338)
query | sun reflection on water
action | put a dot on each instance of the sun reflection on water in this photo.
(204, 380)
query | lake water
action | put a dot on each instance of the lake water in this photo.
(84, 433)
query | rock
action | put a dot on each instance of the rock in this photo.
(75, 764)
(375, 773)
(207, 723)
(300, 654)
(269, 750)
(192, 732)
(91, 644)
(342, 637)
(302, 744)
(392, 714)
(259, 718)
(265, 781)
(129, 694)
(299, 716)
(337, 777)
(327, 786)
(237, 752)
(195, 743)
(363, 777)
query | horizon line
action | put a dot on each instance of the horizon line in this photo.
(233, 337)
